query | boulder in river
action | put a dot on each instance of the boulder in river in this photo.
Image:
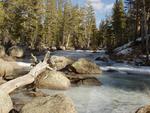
(2, 81)
(92, 81)
(5, 102)
(51, 104)
(2, 51)
(60, 62)
(145, 109)
(104, 58)
(70, 48)
(53, 48)
(84, 66)
(53, 80)
(16, 51)
(5, 68)
(61, 48)
(12, 69)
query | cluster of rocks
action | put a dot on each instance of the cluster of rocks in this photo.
(69, 71)
(58, 103)
(14, 52)
(144, 109)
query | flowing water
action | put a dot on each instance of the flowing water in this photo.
(120, 92)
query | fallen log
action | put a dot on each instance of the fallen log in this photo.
(8, 87)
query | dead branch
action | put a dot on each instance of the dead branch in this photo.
(28, 78)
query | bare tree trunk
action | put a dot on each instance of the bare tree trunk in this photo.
(26, 79)
(68, 40)
(146, 37)
(88, 44)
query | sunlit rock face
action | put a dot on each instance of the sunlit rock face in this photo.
(84, 66)
(2, 51)
(5, 68)
(145, 109)
(60, 62)
(53, 80)
(16, 51)
(58, 103)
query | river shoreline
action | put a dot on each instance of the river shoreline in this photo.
(120, 92)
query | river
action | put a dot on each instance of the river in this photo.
(119, 92)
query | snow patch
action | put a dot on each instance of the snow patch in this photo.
(24, 64)
(142, 70)
(125, 51)
(123, 47)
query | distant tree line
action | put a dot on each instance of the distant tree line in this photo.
(128, 22)
(38, 23)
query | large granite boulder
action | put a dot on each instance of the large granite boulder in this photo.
(84, 66)
(60, 62)
(12, 69)
(51, 104)
(53, 80)
(16, 51)
(145, 109)
(2, 81)
(2, 51)
(5, 68)
(5, 102)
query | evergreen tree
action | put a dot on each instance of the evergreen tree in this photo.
(119, 22)
(90, 24)
(48, 22)
(2, 14)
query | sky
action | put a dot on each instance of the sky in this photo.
(102, 8)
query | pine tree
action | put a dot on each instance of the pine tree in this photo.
(90, 24)
(48, 22)
(106, 34)
(119, 22)
(2, 13)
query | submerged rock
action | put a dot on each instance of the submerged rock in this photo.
(84, 79)
(145, 109)
(36, 94)
(60, 62)
(84, 66)
(2, 51)
(53, 80)
(5, 102)
(103, 58)
(51, 104)
(16, 51)
(92, 81)
(89, 82)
